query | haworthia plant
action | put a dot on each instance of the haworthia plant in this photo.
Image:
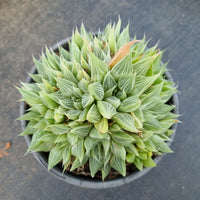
(102, 101)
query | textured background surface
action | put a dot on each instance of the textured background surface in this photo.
(27, 26)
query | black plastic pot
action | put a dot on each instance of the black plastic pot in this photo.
(86, 182)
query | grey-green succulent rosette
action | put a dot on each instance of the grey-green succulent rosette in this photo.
(102, 102)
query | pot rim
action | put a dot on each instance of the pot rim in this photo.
(85, 182)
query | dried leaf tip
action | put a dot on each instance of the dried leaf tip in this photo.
(123, 51)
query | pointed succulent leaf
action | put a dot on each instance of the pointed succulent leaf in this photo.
(93, 114)
(81, 130)
(66, 103)
(83, 115)
(78, 105)
(41, 125)
(132, 149)
(106, 147)
(122, 138)
(58, 117)
(112, 42)
(164, 148)
(121, 94)
(146, 135)
(94, 165)
(83, 85)
(109, 92)
(48, 101)
(89, 143)
(29, 96)
(76, 164)
(78, 150)
(66, 154)
(119, 165)
(141, 67)
(29, 130)
(130, 157)
(124, 37)
(106, 109)
(102, 126)
(62, 138)
(138, 122)
(73, 114)
(96, 90)
(55, 156)
(78, 38)
(72, 138)
(98, 68)
(105, 171)
(95, 161)
(108, 81)
(123, 67)
(87, 100)
(126, 121)
(152, 125)
(139, 142)
(65, 86)
(127, 82)
(118, 150)
(48, 138)
(114, 101)
(59, 129)
(138, 163)
(73, 124)
(143, 83)
(31, 116)
(95, 134)
(150, 146)
(68, 75)
(117, 28)
(130, 104)
(149, 163)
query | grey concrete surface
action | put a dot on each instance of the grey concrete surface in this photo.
(27, 26)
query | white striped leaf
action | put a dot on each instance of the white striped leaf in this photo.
(108, 81)
(96, 90)
(72, 138)
(122, 138)
(118, 150)
(127, 82)
(66, 154)
(142, 83)
(68, 75)
(130, 104)
(55, 156)
(87, 99)
(114, 101)
(78, 149)
(65, 86)
(47, 101)
(81, 130)
(126, 121)
(95, 134)
(73, 114)
(83, 85)
(123, 67)
(106, 109)
(59, 129)
(89, 143)
(102, 126)
(119, 165)
(98, 68)
(93, 114)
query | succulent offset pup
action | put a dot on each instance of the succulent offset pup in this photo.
(102, 102)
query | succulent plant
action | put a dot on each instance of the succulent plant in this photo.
(102, 101)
